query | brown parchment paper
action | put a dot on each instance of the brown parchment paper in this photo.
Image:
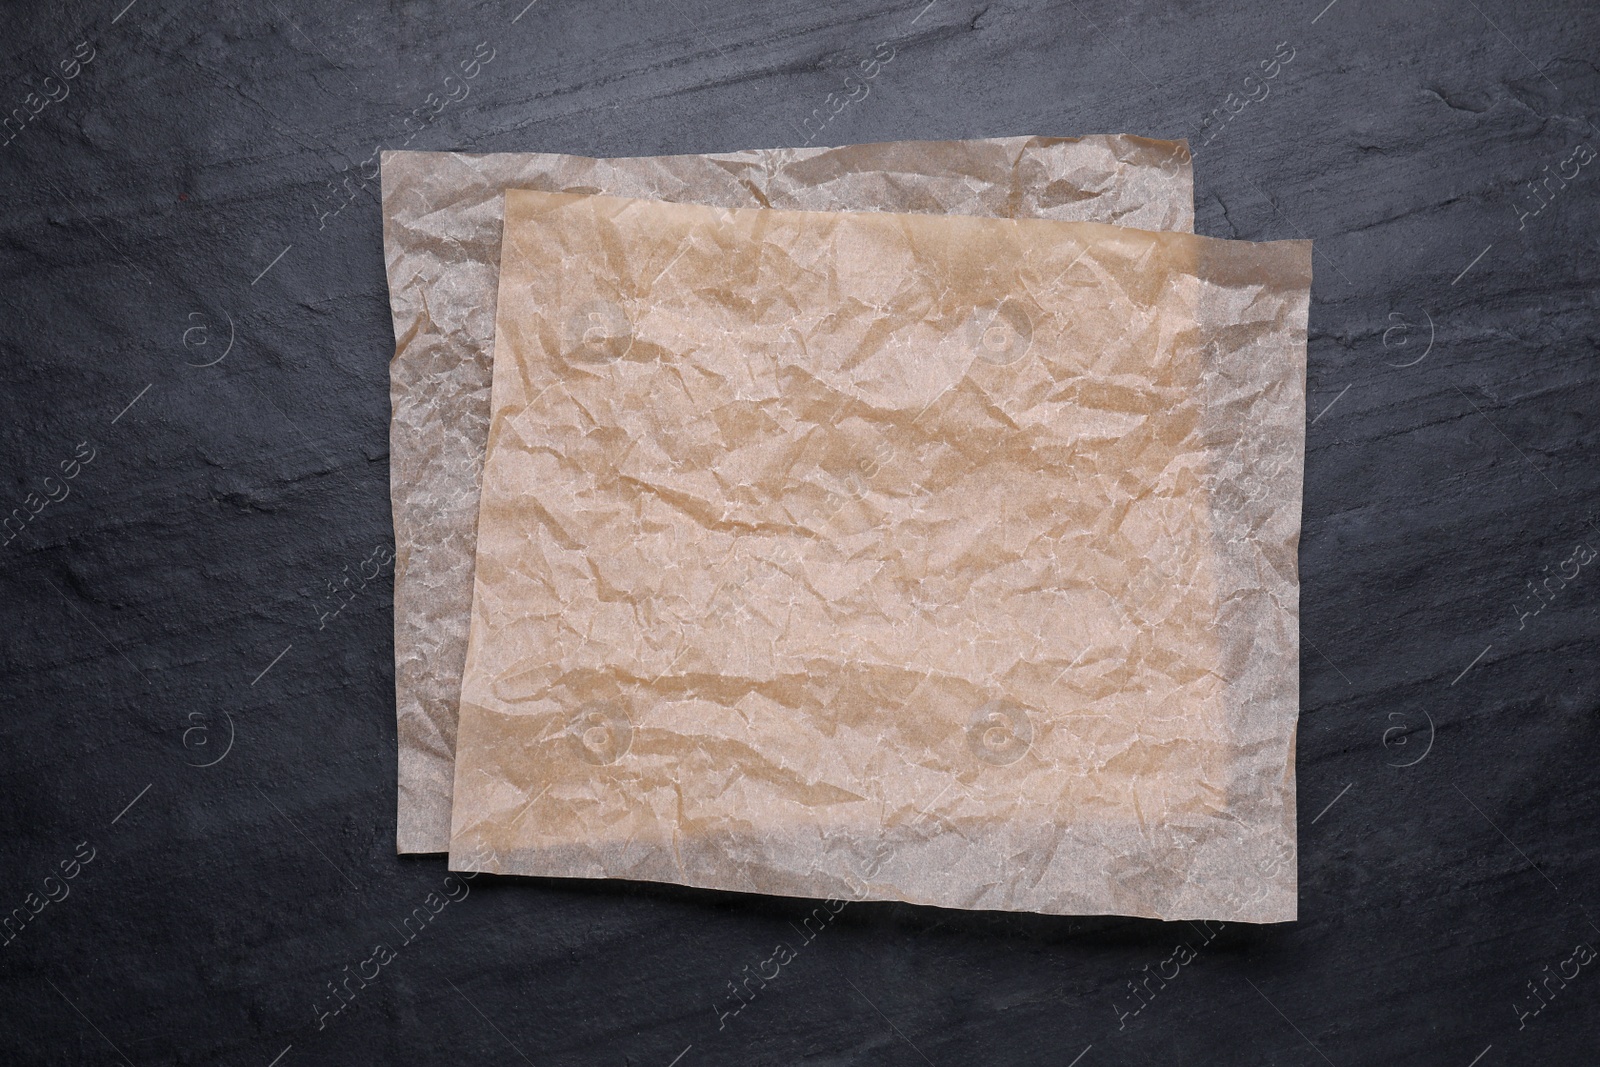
(442, 245)
(930, 558)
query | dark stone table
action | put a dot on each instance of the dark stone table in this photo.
(194, 388)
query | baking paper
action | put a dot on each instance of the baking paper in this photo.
(442, 216)
(940, 559)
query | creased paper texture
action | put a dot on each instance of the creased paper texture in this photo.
(442, 245)
(930, 558)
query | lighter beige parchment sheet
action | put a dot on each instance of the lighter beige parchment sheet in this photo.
(930, 558)
(442, 225)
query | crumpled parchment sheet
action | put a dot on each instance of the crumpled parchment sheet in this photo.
(931, 558)
(442, 219)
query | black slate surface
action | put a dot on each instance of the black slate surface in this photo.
(195, 335)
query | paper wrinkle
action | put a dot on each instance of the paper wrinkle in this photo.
(813, 587)
(442, 227)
